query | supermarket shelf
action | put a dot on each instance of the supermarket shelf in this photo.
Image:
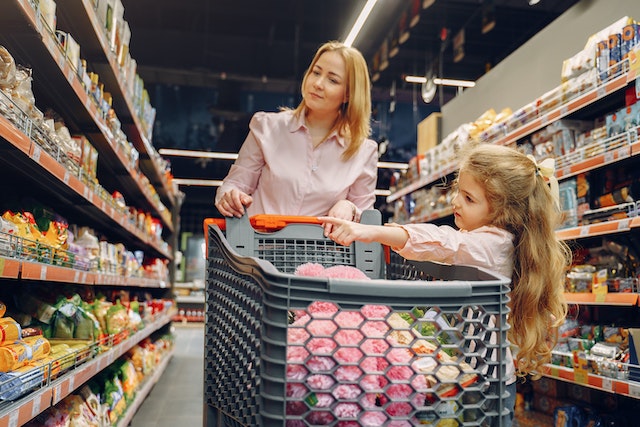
(599, 92)
(22, 410)
(599, 229)
(68, 188)
(189, 285)
(59, 86)
(143, 392)
(79, 18)
(621, 387)
(611, 150)
(619, 299)
(191, 299)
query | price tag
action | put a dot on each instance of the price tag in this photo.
(43, 272)
(607, 384)
(544, 120)
(35, 408)
(36, 153)
(609, 157)
(13, 418)
(87, 103)
(564, 110)
(38, 21)
(72, 381)
(76, 276)
(602, 92)
(57, 392)
(65, 179)
(584, 231)
(70, 75)
(634, 390)
(624, 152)
(623, 224)
(86, 192)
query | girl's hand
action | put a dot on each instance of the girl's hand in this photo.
(343, 209)
(233, 202)
(345, 232)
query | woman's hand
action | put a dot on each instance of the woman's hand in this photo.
(233, 202)
(343, 209)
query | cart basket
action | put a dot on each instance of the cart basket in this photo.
(415, 343)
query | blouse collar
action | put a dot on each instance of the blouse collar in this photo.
(297, 123)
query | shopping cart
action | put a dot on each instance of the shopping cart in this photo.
(420, 343)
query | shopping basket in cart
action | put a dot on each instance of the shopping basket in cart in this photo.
(420, 343)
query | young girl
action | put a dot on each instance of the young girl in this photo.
(506, 216)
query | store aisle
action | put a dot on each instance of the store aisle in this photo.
(177, 398)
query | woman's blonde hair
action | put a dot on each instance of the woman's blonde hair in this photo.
(354, 120)
(521, 203)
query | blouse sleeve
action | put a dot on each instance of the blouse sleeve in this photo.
(246, 170)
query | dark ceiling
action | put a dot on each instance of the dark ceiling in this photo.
(267, 45)
(258, 45)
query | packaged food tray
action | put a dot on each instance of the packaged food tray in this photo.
(417, 343)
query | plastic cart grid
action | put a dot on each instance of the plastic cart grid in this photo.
(427, 346)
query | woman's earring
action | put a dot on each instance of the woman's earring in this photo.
(344, 107)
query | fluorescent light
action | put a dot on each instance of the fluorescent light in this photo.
(415, 79)
(217, 183)
(453, 82)
(441, 82)
(392, 165)
(198, 182)
(198, 154)
(364, 14)
(232, 156)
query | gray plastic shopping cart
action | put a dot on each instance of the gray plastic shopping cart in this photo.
(418, 343)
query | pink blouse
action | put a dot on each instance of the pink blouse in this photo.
(278, 166)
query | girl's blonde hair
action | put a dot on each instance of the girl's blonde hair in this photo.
(521, 203)
(354, 120)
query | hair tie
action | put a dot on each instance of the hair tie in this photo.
(547, 170)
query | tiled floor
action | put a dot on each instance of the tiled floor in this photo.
(177, 398)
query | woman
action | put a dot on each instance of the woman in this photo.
(315, 159)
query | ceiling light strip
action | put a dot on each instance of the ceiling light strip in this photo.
(441, 82)
(198, 154)
(198, 182)
(362, 18)
(232, 156)
(217, 183)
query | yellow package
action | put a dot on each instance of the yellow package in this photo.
(10, 330)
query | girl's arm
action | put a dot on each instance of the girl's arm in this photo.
(347, 232)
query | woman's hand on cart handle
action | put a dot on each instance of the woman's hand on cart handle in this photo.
(233, 202)
(343, 209)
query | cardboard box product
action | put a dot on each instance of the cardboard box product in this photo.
(429, 132)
